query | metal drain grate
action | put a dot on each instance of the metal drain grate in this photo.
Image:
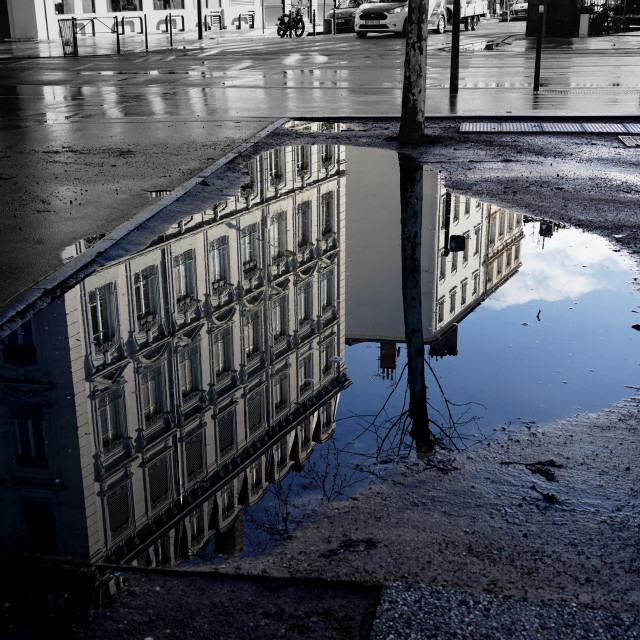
(549, 127)
(631, 141)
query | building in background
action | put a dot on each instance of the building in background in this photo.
(38, 19)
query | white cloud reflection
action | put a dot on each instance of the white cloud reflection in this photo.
(572, 264)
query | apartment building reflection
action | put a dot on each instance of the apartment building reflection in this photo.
(454, 282)
(152, 402)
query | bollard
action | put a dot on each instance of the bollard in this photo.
(117, 28)
(291, 24)
(170, 31)
(536, 73)
(146, 34)
(454, 75)
(75, 36)
(333, 19)
(313, 19)
(200, 36)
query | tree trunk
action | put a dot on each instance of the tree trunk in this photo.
(415, 74)
(411, 190)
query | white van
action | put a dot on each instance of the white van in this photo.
(391, 17)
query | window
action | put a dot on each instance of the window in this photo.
(194, 455)
(152, 391)
(303, 159)
(222, 352)
(467, 207)
(452, 301)
(219, 261)
(456, 209)
(277, 235)
(159, 5)
(489, 273)
(326, 212)
(491, 238)
(184, 275)
(67, 6)
(282, 455)
(249, 247)
(465, 253)
(279, 318)
(281, 392)
(226, 433)
(255, 411)
(328, 354)
(499, 266)
(253, 334)
(303, 223)
(477, 233)
(102, 309)
(327, 286)
(443, 265)
(119, 509)
(476, 283)
(305, 373)
(463, 293)
(304, 303)
(510, 221)
(28, 426)
(189, 371)
(145, 293)
(124, 5)
(158, 477)
(275, 167)
(516, 253)
(501, 224)
(18, 348)
(111, 419)
(328, 154)
(508, 258)
(454, 261)
(255, 477)
(440, 310)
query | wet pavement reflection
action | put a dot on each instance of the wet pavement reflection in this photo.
(204, 394)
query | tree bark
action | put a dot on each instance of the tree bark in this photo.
(411, 190)
(415, 75)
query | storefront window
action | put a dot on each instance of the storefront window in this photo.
(125, 5)
(71, 6)
(159, 5)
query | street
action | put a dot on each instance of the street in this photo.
(84, 140)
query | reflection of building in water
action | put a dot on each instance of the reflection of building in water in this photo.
(163, 393)
(453, 282)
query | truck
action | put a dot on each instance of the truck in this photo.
(470, 12)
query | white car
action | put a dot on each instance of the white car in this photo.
(391, 17)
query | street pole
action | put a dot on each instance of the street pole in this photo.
(536, 73)
(199, 19)
(455, 49)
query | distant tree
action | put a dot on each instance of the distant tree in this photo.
(415, 75)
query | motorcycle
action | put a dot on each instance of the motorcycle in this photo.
(292, 22)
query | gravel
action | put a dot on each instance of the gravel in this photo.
(415, 612)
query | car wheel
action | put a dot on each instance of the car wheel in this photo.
(474, 23)
(403, 33)
(441, 27)
(466, 24)
(361, 34)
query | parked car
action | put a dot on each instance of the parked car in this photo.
(345, 16)
(517, 11)
(391, 17)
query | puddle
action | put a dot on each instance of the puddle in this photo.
(204, 395)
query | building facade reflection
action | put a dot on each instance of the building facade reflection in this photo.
(454, 283)
(152, 402)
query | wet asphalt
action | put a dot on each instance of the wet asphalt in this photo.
(84, 140)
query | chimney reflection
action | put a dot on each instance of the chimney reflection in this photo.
(149, 404)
